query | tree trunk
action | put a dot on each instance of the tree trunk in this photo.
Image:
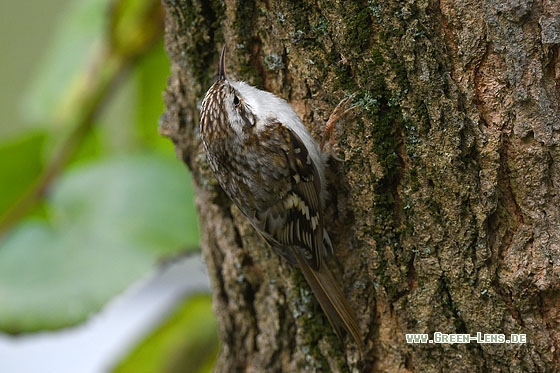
(444, 214)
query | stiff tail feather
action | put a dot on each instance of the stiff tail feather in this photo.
(332, 300)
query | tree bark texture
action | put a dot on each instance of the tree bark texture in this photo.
(445, 212)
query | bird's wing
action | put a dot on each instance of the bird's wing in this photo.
(296, 218)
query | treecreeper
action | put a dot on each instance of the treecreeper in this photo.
(269, 165)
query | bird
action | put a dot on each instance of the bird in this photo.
(270, 166)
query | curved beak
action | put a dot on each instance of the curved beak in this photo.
(222, 68)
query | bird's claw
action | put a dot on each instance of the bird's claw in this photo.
(340, 111)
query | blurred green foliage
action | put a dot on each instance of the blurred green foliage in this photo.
(91, 196)
(186, 342)
(108, 222)
(20, 162)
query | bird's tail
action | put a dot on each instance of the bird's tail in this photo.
(332, 300)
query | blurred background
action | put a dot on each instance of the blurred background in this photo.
(100, 265)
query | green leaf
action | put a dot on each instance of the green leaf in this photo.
(187, 341)
(20, 165)
(110, 222)
(151, 77)
(78, 38)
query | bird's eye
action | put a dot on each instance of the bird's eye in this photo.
(236, 100)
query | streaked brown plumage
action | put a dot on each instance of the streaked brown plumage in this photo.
(266, 161)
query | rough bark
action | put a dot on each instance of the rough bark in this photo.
(444, 214)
